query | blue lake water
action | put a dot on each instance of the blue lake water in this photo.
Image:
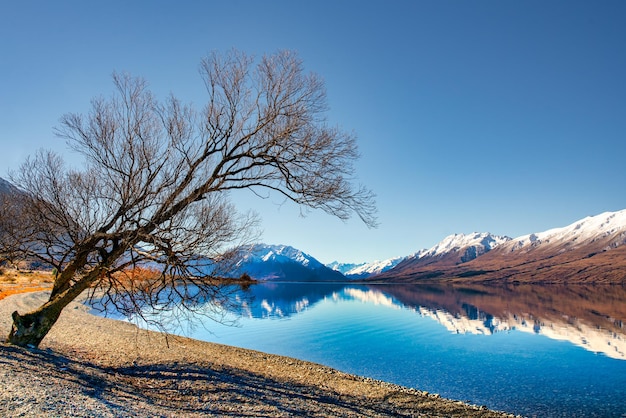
(535, 351)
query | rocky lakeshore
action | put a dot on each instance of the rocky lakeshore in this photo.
(90, 366)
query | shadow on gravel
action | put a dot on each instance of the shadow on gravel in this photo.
(235, 387)
(94, 381)
(184, 389)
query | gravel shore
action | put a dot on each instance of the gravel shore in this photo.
(89, 366)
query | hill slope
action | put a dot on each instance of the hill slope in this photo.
(282, 263)
(589, 250)
(450, 252)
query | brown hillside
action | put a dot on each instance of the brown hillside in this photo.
(575, 266)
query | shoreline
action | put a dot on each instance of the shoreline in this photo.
(109, 368)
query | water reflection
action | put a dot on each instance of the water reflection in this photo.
(490, 345)
(587, 316)
(281, 300)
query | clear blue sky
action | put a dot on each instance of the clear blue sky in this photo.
(490, 116)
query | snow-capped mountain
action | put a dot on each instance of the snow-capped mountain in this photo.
(604, 231)
(454, 249)
(363, 270)
(282, 262)
(343, 268)
(468, 247)
(589, 250)
(259, 253)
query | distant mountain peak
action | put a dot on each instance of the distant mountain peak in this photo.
(465, 246)
(343, 268)
(277, 253)
(606, 230)
(480, 241)
(364, 270)
(282, 262)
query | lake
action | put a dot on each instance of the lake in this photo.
(540, 351)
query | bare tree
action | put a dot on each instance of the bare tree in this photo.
(153, 189)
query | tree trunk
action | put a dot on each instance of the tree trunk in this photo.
(29, 329)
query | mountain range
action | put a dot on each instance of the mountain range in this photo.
(364, 270)
(589, 250)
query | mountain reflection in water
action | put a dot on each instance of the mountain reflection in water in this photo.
(591, 317)
(587, 316)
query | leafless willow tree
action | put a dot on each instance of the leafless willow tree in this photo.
(153, 189)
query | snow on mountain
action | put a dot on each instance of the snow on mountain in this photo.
(608, 230)
(472, 245)
(363, 270)
(577, 253)
(282, 262)
(373, 268)
(464, 247)
(343, 268)
(600, 232)
(277, 253)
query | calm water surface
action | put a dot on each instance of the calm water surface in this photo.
(535, 351)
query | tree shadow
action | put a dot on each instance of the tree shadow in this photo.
(194, 389)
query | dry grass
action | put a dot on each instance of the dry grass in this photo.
(14, 281)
